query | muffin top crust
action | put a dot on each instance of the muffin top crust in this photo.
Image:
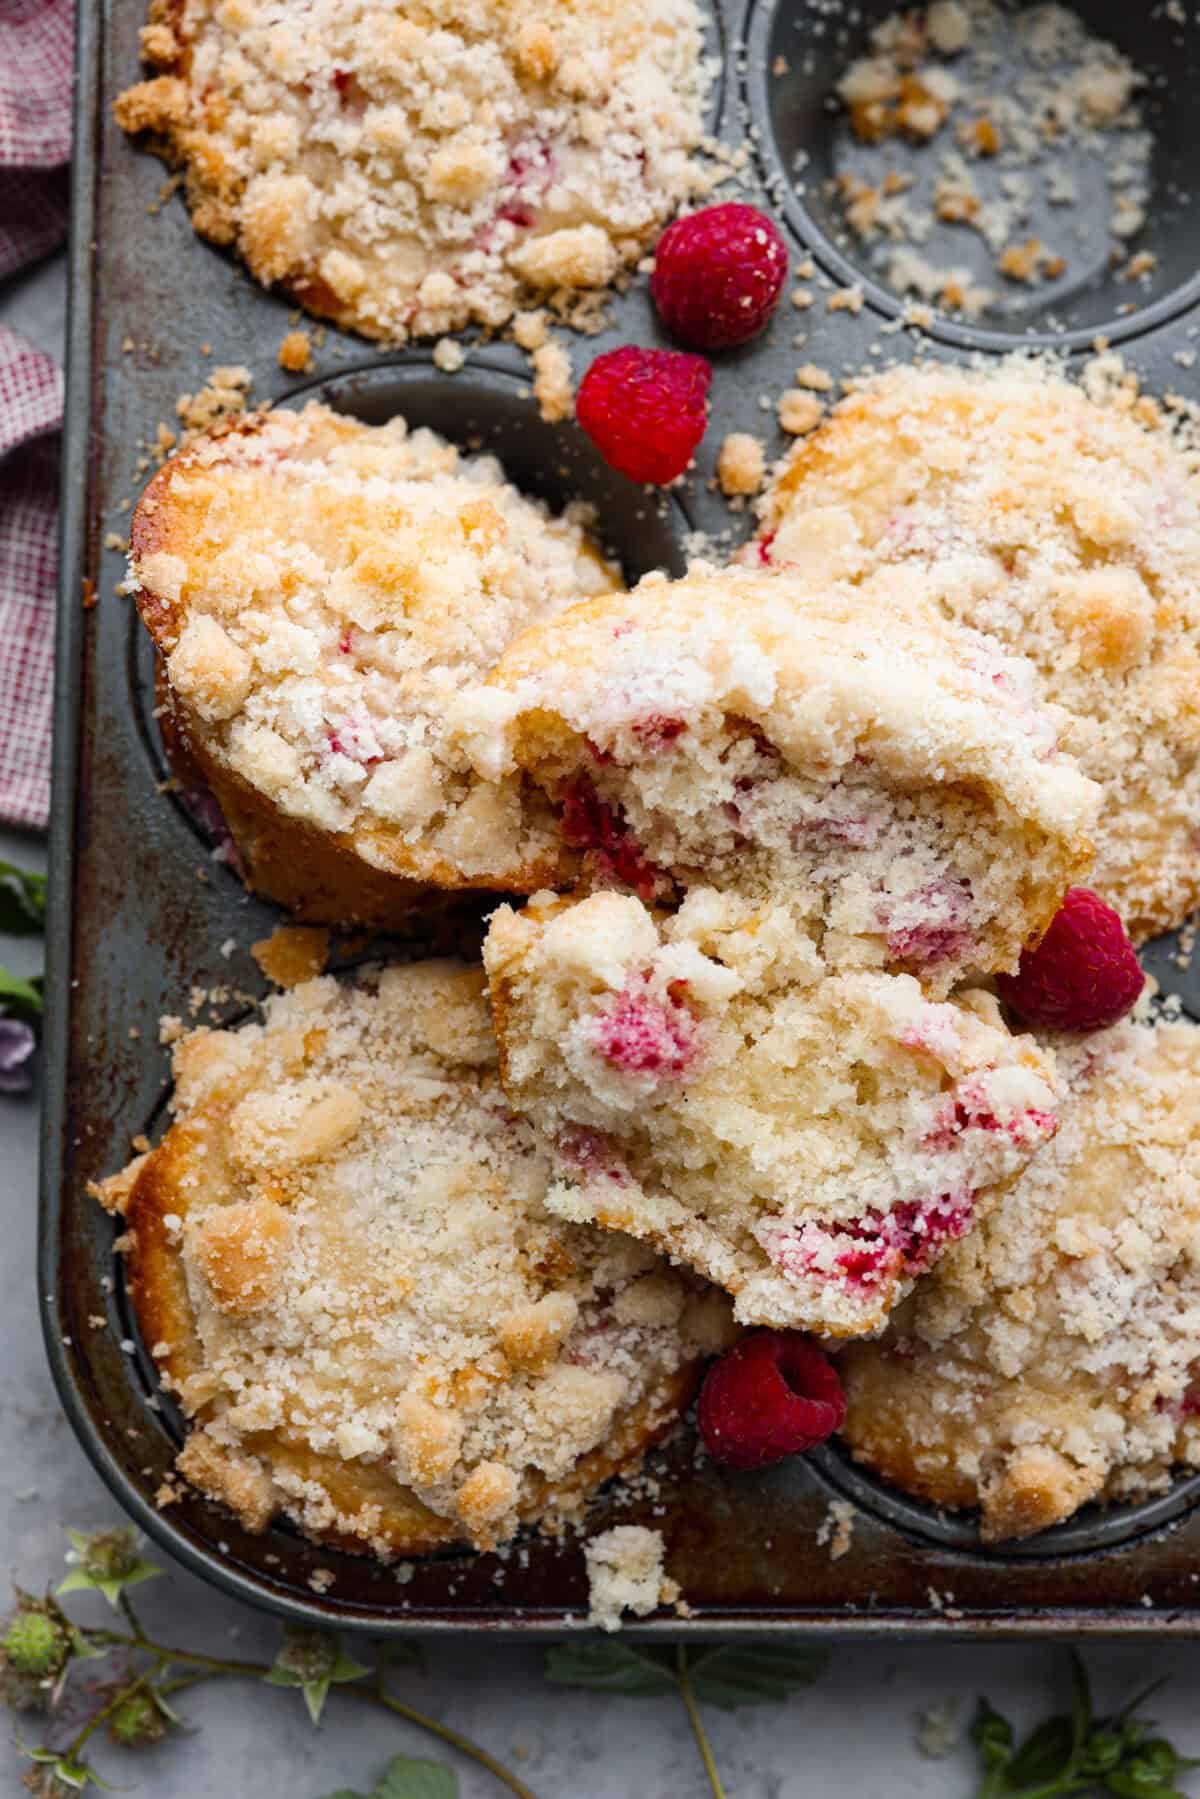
(1053, 1357)
(1063, 520)
(408, 170)
(344, 1267)
(321, 590)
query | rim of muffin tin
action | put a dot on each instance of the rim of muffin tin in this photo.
(788, 205)
(363, 391)
(1094, 1530)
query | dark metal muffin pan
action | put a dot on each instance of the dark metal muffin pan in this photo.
(142, 913)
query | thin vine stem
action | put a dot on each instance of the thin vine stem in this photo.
(693, 1711)
(211, 1666)
(464, 1745)
(118, 1699)
(135, 1623)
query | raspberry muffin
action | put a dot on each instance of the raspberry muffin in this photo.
(409, 170)
(1053, 1357)
(880, 771)
(1067, 527)
(342, 1263)
(809, 1141)
(319, 591)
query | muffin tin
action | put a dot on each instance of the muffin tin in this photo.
(143, 914)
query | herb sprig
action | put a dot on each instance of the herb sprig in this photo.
(727, 1675)
(1076, 1752)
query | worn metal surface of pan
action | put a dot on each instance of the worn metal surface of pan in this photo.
(142, 913)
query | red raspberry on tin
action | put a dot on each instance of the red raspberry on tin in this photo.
(775, 1394)
(718, 275)
(645, 410)
(1082, 975)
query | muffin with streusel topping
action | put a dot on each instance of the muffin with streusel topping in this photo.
(809, 1140)
(882, 773)
(320, 591)
(1064, 520)
(342, 1263)
(409, 170)
(1053, 1358)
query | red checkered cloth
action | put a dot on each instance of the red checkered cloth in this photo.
(36, 61)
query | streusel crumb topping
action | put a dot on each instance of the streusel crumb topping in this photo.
(1052, 1357)
(321, 591)
(407, 171)
(808, 1141)
(378, 1304)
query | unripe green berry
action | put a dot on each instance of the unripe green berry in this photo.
(137, 1721)
(35, 1643)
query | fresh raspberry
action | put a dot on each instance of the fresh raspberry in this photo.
(645, 410)
(718, 275)
(1082, 975)
(773, 1395)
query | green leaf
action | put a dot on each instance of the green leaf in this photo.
(993, 1737)
(405, 1778)
(74, 1774)
(22, 901)
(20, 998)
(1046, 1756)
(736, 1674)
(609, 1667)
(313, 1660)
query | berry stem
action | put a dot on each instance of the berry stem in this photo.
(684, 1684)
(73, 1749)
(464, 1745)
(207, 1667)
(126, 1605)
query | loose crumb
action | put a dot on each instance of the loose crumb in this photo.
(837, 1528)
(799, 412)
(223, 396)
(292, 953)
(625, 1574)
(448, 355)
(295, 353)
(552, 387)
(741, 464)
(529, 329)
